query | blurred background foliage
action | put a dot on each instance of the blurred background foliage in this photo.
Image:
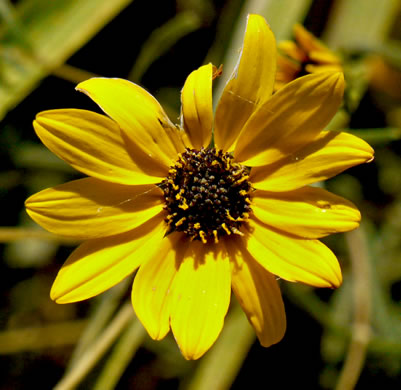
(340, 339)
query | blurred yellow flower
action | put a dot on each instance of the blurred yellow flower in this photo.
(197, 220)
(306, 55)
(383, 76)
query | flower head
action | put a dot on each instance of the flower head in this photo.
(199, 221)
(306, 55)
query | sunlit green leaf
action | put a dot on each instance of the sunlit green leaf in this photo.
(54, 30)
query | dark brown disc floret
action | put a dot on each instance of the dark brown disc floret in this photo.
(207, 195)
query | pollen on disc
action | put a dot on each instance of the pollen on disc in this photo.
(206, 195)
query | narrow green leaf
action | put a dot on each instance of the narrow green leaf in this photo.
(54, 30)
(162, 39)
(377, 136)
(7, 14)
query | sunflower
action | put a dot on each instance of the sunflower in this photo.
(306, 55)
(197, 216)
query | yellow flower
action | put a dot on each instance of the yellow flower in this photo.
(307, 55)
(197, 220)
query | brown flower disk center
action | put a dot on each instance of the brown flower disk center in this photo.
(206, 195)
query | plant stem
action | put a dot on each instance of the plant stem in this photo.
(361, 330)
(97, 350)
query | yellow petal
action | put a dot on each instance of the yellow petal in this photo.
(328, 155)
(325, 57)
(307, 40)
(139, 115)
(91, 208)
(152, 288)
(258, 293)
(293, 117)
(96, 265)
(322, 68)
(251, 83)
(197, 109)
(286, 69)
(201, 296)
(307, 212)
(293, 259)
(92, 144)
(292, 50)
(281, 81)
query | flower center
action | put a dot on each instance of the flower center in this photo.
(206, 195)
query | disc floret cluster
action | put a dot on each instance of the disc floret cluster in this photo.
(207, 195)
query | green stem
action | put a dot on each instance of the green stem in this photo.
(122, 354)
(218, 369)
(9, 234)
(103, 311)
(73, 74)
(93, 354)
(361, 329)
